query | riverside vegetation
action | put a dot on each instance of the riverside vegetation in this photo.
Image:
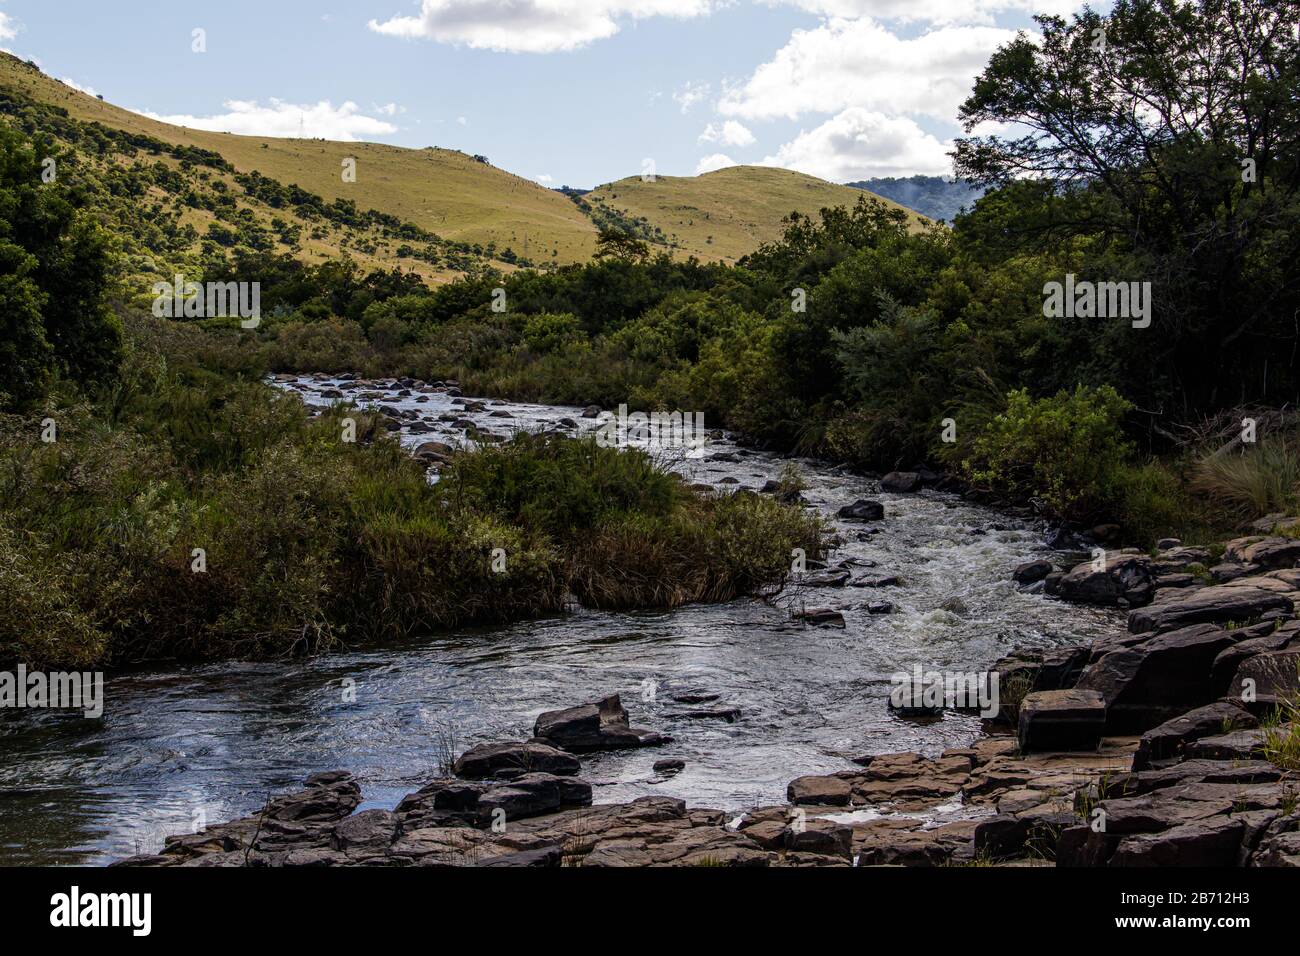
(855, 336)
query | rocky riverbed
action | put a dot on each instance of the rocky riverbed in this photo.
(751, 733)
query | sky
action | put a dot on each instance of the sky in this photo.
(565, 92)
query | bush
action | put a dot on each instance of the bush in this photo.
(307, 542)
(1066, 452)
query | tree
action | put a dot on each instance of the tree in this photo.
(55, 268)
(621, 246)
(1173, 130)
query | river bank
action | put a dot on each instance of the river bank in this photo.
(767, 697)
(187, 744)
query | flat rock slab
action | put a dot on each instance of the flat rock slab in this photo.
(1221, 604)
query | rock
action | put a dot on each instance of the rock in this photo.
(1219, 604)
(1060, 668)
(828, 791)
(1232, 571)
(1156, 679)
(901, 482)
(880, 607)
(369, 831)
(1213, 843)
(820, 836)
(729, 714)
(909, 780)
(1122, 577)
(450, 801)
(1165, 544)
(591, 411)
(821, 617)
(1225, 666)
(602, 725)
(1236, 745)
(325, 798)
(1031, 571)
(1105, 533)
(1268, 552)
(670, 766)
(1052, 720)
(1168, 740)
(514, 757)
(827, 579)
(863, 510)
(546, 856)
(1273, 676)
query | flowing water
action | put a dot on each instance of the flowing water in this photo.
(179, 747)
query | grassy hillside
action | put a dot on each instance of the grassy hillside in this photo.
(722, 215)
(719, 216)
(441, 190)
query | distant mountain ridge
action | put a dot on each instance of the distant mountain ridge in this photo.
(935, 197)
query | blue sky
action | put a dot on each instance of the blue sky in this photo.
(576, 92)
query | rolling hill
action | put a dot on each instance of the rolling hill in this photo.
(460, 199)
(724, 214)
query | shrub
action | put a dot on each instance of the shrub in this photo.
(1065, 451)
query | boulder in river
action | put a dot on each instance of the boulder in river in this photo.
(602, 725)
(863, 510)
(821, 617)
(1118, 577)
(901, 482)
(1031, 571)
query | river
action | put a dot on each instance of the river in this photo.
(185, 745)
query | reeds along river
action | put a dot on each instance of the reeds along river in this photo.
(178, 748)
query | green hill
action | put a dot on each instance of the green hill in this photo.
(437, 212)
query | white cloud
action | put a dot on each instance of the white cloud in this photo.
(544, 178)
(931, 11)
(530, 26)
(844, 63)
(690, 95)
(88, 90)
(713, 162)
(278, 118)
(860, 144)
(390, 109)
(730, 133)
(9, 27)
